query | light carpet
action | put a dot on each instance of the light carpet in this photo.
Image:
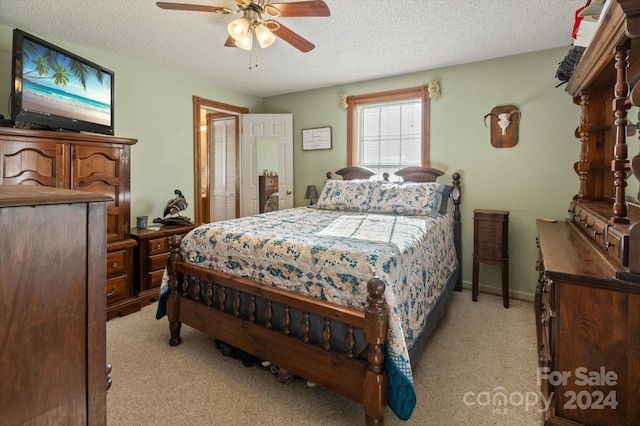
(479, 352)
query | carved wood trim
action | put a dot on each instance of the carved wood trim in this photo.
(583, 162)
(619, 164)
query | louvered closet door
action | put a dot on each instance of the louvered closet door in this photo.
(223, 169)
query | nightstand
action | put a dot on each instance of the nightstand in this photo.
(491, 246)
(150, 259)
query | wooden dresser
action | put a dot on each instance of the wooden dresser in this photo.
(151, 255)
(588, 292)
(52, 306)
(89, 163)
(588, 331)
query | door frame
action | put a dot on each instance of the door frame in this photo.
(202, 153)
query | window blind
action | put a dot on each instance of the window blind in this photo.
(390, 135)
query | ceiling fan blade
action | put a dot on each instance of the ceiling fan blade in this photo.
(193, 7)
(299, 9)
(290, 37)
(230, 42)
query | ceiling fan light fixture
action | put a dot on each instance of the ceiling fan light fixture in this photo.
(238, 28)
(264, 36)
(246, 42)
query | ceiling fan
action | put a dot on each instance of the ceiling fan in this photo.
(257, 20)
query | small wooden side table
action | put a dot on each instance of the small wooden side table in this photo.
(491, 246)
(150, 259)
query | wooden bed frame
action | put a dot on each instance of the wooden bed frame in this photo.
(230, 312)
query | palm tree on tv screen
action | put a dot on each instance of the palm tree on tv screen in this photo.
(46, 60)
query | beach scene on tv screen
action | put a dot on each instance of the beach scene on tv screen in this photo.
(55, 84)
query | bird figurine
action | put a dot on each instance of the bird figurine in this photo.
(171, 214)
(175, 205)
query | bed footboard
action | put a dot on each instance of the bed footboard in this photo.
(258, 319)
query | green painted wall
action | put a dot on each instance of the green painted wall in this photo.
(534, 179)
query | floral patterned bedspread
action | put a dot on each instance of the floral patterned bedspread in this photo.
(331, 255)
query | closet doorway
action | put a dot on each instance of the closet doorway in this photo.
(216, 129)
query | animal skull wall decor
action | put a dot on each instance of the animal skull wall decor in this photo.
(504, 125)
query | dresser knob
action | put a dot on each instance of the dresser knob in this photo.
(158, 247)
(114, 265)
(113, 290)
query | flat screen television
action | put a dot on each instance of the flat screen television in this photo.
(58, 90)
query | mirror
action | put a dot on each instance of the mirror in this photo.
(267, 156)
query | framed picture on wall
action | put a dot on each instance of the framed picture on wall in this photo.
(318, 138)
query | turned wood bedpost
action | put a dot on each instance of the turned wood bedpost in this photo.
(456, 194)
(375, 329)
(172, 300)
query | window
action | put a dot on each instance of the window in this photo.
(388, 131)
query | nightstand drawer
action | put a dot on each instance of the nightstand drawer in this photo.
(158, 245)
(115, 263)
(490, 231)
(490, 250)
(155, 278)
(158, 262)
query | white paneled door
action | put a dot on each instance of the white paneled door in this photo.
(266, 146)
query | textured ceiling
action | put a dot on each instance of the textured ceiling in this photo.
(361, 40)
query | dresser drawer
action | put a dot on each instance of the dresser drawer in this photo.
(592, 226)
(116, 288)
(158, 245)
(116, 263)
(616, 245)
(158, 262)
(598, 231)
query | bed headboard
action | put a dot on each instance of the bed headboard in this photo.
(419, 174)
(408, 174)
(353, 172)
